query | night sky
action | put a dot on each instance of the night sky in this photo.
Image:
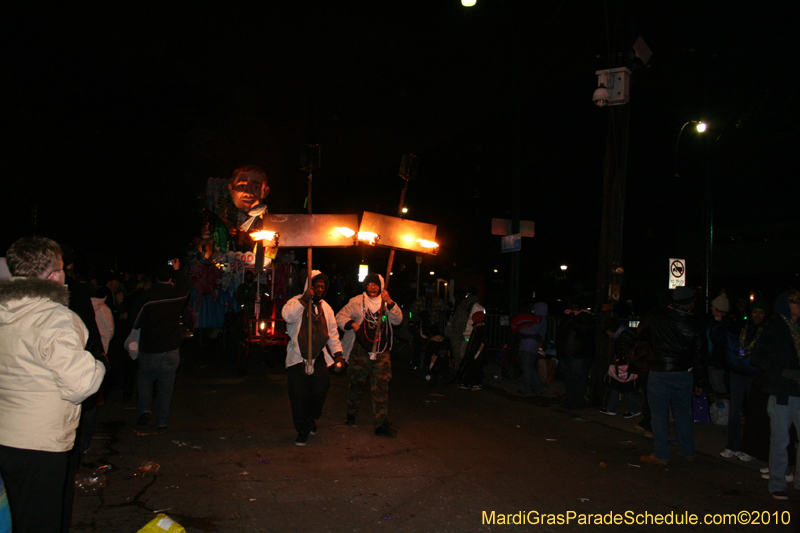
(114, 117)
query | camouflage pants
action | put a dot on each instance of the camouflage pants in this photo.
(379, 372)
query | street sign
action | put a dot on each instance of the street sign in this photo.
(502, 226)
(511, 243)
(677, 273)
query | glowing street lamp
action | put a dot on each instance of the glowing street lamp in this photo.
(468, 3)
(700, 126)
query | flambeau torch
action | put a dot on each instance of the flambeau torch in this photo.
(312, 231)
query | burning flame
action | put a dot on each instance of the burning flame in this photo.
(262, 235)
(427, 244)
(368, 237)
(347, 232)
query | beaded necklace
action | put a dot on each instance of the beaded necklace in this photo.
(745, 350)
(794, 331)
(378, 322)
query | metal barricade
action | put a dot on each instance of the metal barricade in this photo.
(498, 331)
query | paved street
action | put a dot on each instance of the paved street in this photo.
(228, 463)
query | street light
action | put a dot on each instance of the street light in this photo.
(700, 126)
(467, 3)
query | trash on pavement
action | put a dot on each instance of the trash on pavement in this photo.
(149, 466)
(162, 523)
(90, 480)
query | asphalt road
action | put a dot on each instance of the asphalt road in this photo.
(228, 463)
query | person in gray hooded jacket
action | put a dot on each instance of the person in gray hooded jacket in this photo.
(777, 352)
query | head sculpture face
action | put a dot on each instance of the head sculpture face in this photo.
(248, 187)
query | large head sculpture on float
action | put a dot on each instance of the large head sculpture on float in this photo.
(248, 187)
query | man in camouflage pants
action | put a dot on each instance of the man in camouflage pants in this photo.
(370, 317)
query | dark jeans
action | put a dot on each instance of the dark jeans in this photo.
(34, 483)
(671, 390)
(473, 370)
(576, 379)
(740, 392)
(530, 373)
(159, 367)
(307, 393)
(644, 423)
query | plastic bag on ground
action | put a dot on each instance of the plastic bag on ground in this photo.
(89, 480)
(162, 523)
(719, 412)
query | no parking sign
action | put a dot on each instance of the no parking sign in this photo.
(677, 273)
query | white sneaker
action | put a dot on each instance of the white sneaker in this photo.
(744, 457)
(727, 454)
(764, 470)
(789, 477)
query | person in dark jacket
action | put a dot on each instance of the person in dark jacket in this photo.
(777, 352)
(575, 346)
(676, 348)
(157, 315)
(475, 356)
(80, 302)
(531, 327)
(738, 342)
(719, 323)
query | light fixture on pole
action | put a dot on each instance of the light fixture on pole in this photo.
(613, 87)
(700, 126)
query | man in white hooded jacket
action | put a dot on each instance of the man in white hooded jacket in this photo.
(370, 316)
(45, 374)
(307, 392)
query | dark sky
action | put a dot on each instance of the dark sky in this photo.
(117, 115)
